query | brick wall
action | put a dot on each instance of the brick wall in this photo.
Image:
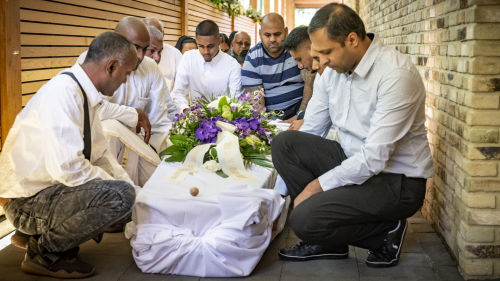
(456, 47)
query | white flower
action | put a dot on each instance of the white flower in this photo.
(215, 103)
(226, 127)
(211, 166)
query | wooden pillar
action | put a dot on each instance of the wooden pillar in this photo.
(282, 11)
(253, 4)
(232, 24)
(10, 64)
(184, 17)
(276, 6)
(267, 6)
(290, 14)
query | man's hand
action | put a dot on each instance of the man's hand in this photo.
(143, 122)
(290, 120)
(311, 189)
(295, 126)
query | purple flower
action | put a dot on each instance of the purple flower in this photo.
(207, 131)
(179, 116)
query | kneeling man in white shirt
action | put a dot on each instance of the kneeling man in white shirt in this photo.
(206, 71)
(60, 184)
(146, 90)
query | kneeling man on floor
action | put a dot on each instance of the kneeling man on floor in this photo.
(60, 184)
(360, 190)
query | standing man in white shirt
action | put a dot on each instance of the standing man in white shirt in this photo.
(359, 191)
(206, 71)
(60, 184)
(146, 90)
(170, 56)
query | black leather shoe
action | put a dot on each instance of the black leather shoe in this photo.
(388, 254)
(306, 252)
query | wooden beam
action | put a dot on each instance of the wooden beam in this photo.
(253, 4)
(184, 17)
(10, 64)
(290, 14)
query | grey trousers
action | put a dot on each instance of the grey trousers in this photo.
(64, 217)
(358, 215)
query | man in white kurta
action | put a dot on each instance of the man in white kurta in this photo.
(146, 90)
(59, 182)
(170, 57)
(206, 71)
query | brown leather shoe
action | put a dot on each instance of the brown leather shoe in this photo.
(19, 239)
(66, 265)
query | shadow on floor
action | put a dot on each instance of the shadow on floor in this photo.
(424, 257)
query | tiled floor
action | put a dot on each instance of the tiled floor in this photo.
(424, 258)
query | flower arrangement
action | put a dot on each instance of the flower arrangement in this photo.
(202, 122)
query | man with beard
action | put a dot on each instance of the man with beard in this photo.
(240, 46)
(270, 66)
(206, 71)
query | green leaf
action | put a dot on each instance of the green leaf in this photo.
(176, 157)
(222, 174)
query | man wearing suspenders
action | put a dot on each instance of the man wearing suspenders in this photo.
(60, 184)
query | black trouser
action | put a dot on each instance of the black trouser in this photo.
(359, 215)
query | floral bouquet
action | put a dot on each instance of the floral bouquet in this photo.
(203, 121)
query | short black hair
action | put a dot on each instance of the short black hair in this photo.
(207, 28)
(225, 39)
(339, 20)
(108, 45)
(184, 40)
(296, 37)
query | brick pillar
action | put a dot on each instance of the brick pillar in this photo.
(456, 47)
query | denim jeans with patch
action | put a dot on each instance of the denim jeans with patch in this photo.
(64, 217)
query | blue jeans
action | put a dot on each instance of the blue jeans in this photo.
(64, 217)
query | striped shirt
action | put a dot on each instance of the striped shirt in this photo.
(280, 77)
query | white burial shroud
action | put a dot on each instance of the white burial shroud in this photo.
(221, 232)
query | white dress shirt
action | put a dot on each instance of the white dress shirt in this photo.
(378, 111)
(45, 145)
(170, 59)
(213, 78)
(145, 89)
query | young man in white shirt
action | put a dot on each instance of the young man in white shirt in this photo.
(206, 71)
(146, 90)
(359, 191)
(170, 57)
(60, 184)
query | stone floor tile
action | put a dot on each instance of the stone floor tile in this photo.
(411, 244)
(11, 272)
(434, 248)
(400, 272)
(447, 273)
(133, 273)
(111, 243)
(11, 255)
(320, 270)
(421, 227)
